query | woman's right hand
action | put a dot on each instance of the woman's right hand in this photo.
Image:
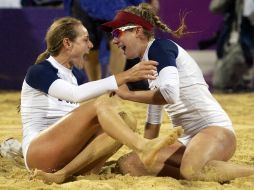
(140, 71)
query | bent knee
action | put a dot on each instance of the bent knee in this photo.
(105, 101)
(104, 108)
(129, 119)
(43, 162)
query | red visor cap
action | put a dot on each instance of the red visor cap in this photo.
(123, 18)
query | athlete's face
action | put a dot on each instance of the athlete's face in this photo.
(127, 39)
(80, 46)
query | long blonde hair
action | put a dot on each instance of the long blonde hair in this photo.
(145, 11)
(61, 28)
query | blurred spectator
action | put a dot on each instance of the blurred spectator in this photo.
(104, 52)
(234, 44)
(26, 3)
(10, 4)
(247, 31)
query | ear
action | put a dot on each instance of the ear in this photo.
(67, 43)
(140, 32)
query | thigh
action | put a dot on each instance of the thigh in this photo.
(61, 142)
(211, 143)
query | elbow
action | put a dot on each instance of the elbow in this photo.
(74, 96)
(175, 99)
(171, 94)
(172, 99)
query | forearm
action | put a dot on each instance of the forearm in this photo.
(122, 78)
(140, 71)
(151, 130)
(147, 97)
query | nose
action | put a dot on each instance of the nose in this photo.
(90, 44)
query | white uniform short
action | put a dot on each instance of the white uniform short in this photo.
(25, 145)
(197, 109)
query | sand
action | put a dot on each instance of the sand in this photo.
(240, 108)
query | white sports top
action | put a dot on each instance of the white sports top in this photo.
(181, 83)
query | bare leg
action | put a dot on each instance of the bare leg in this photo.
(85, 160)
(49, 152)
(206, 157)
(146, 149)
(94, 167)
(114, 125)
(222, 171)
(93, 152)
(167, 163)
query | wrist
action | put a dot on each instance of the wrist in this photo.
(151, 130)
(121, 78)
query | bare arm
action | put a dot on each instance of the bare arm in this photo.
(165, 90)
(151, 130)
(140, 71)
(146, 96)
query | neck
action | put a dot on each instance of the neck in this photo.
(63, 60)
(144, 46)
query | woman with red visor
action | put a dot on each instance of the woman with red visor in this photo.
(208, 141)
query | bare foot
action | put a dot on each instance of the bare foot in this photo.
(149, 155)
(49, 178)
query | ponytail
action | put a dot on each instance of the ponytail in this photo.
(42, 57)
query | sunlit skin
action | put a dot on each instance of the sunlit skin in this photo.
(132, 42)
(73, 52)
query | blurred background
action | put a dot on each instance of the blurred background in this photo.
(23, 25)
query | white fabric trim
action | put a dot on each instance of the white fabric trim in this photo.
(66, 91)
(145, 56)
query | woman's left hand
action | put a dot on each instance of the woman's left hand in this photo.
(123, 91)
